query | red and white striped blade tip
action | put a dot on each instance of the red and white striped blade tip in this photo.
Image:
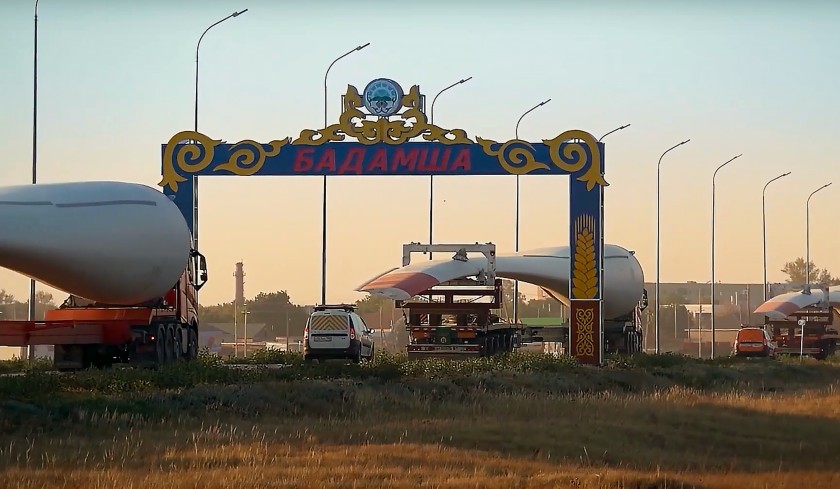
(400, 285)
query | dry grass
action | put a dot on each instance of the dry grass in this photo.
(444, 435)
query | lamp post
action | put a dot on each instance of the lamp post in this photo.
(713, 251)
(516, 240)
(614, 130)
(808, 237)
(195, 126)
(699, 318)
(245, 334)
(324, 201)
(31, 309)
(432, 177)
(764, 229)
(658, 164)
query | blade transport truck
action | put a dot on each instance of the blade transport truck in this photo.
(452, 306)
(124, 253)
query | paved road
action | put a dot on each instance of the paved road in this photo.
(269, 366)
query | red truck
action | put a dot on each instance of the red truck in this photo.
(148, 335)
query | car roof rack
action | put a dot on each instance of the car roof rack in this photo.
(343, 307)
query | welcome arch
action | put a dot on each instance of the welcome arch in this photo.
(393, 137)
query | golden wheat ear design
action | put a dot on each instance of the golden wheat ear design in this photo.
(585, 273)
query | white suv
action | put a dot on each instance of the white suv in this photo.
(336, 331)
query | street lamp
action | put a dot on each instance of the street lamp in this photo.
(808, 238)
(235, 330)
(432, 177)
(614, 130)
(195, 126)
(699, 318)
(324, 201)
(764, 229)
(658, 164)
(245, 335)
(31, 313)
(713, 251)
(516, 243)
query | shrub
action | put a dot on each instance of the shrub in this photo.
(267, 357)
(17, 365)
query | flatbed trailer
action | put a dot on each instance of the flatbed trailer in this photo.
(455, 319)
(820, 340)
(460, 318)
(88, 334)
(456, 322)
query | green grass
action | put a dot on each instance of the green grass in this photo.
(141, 391)
(18, 365)
(527, 420)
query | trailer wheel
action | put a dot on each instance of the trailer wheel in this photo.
(160, 346)
(177, 343)
(171, 353)
(192, 343)
(631, 343)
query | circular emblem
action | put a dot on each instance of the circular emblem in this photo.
(382, 97)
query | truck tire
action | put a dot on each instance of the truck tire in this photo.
(169, 344)
(192, 343)
(160, 346)
(177, 343)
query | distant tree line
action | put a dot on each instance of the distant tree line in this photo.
(274, 309)
(12, 308)
(797, 273)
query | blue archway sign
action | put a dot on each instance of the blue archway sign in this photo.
(407, 144)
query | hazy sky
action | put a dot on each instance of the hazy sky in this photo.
(116, 79)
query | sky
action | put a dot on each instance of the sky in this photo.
(116, 80)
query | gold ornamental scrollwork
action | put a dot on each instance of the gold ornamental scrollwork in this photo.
(353, 122)
(519, 157)
(189, 158)
(515, 156)
(585, 322)
(247, 157)
(575, 155)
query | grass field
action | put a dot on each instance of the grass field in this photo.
(525, 421)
